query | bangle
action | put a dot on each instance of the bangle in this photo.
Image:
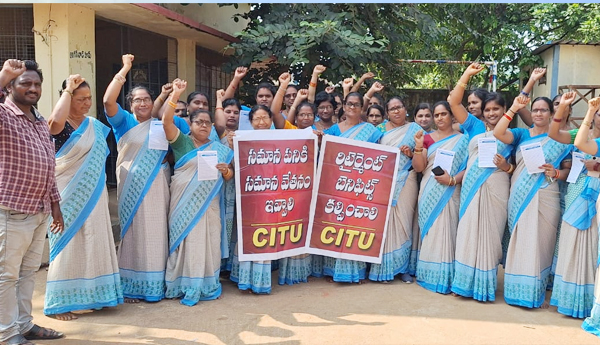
(586, 124)
(508, 117)
(217, 108)
(511, 169)
(160, 99)
(234, 87)
(513, 113)
(172, 105)
(119, 78)
(526, 94)
(557, 175)
(228, 174)
(311, 84)
(555, 119)
(463, 85)
(418, 151)
(452, 181)
(69, 92)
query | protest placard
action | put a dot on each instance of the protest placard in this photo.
(352, 198)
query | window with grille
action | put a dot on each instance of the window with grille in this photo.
(16, 37)
(209, 75)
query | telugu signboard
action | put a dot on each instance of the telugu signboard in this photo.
(353, 194)
(275, 174)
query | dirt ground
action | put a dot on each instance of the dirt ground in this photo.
(318, 313)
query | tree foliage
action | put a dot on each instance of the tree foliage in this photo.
(350, 39)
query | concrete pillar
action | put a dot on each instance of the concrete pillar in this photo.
(64, 45)
(186, 64)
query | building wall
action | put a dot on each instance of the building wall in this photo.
(570, 65)
(65, 46)
(220, 18)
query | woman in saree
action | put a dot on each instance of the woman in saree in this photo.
(342, 270)
(533, 205)
(397, 248)
(195, 212)
(439, 198)
(83, 272)
(590, 146)
(143, 177)
(254, 276)
(483, 198)
(227, 120)
(573, 287)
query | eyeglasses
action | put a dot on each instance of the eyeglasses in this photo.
(260, 119)
(307, 115)
(533, 111)
(325, 107)
(396, 108)
(146, 100)
(352, 105)
(291, 95)
(202, 123)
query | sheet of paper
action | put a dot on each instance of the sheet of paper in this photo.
(443, 159)
(576, 167)
(207, 165)
(487, 150)
(157, 139)
(533, 154)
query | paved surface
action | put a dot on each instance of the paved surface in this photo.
(319, 313)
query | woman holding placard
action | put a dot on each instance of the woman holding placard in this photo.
(573, 288)
(142, 188)
(343, 270)
(442, 157)
(195, 214)
(483, 196)
(534, 203)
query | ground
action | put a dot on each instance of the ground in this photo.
(318, 313)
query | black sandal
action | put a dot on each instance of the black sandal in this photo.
(40, 333)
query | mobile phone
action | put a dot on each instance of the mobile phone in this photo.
(438, 171)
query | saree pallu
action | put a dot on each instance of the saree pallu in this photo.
(533, 218)
(195, 229)
(342, 270)
(83, 272)
(438, 218)
(573, 289)
(143, 194)
(397, 247)
(482, 221)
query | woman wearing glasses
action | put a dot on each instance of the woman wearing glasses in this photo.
(142, 191)
(83, 272)
(254, 276)
(439, 198)
(397, 248)
(483, 197)
(533, 205)
(195, 213)
(341, 270)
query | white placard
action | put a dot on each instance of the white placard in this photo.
(443, 159)
(533, 154)
(576, 167)
(157, 140)
(487, 150)
(207, 165)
